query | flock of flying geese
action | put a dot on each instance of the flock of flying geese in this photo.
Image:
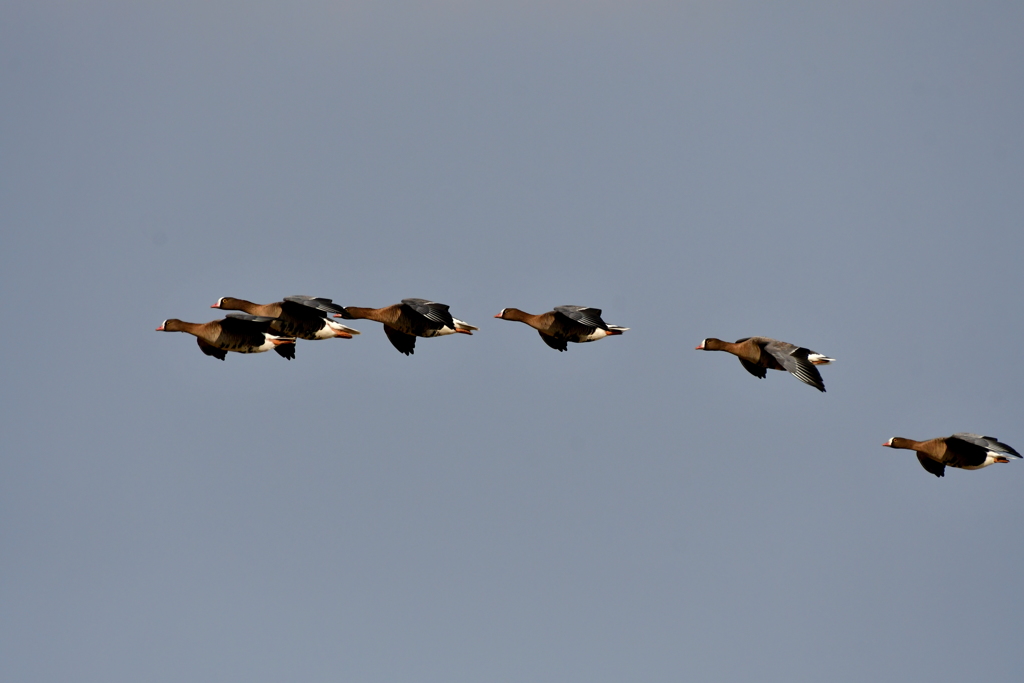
(262, 327)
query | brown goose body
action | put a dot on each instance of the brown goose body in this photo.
(564, 324)
(760, 354)
(963, 450)
(240, 335)
(411, 318)
(304, 317)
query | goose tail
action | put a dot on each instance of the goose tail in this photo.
(464, 327)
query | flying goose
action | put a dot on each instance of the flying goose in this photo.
(760, 354)
(565, 324)
(410, 319)
(238, 333)
(964, 450)
(305, 317)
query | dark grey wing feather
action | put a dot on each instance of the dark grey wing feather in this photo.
(989, 443)
(432, 311)
(556, 343)
(754, 369)
(406, 343)
(286, 351)
(590, 317)
(794, 359)
(316, 303)
(211, 350)
(936, 468)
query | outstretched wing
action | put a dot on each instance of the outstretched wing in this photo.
(431, 310)
(936, 468)
(794, 359)
(554, 342)
(406, 343)
(590, 317)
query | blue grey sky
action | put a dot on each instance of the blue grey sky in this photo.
(845, 176)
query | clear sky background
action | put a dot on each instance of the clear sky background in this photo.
(844, 176)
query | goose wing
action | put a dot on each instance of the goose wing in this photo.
(245, 329)
(557, 343)
(754, 369)
(303, 316)
(933, 466)
(405, 343)
(436, 313)
(794, 359)
(211, 350)
(315, 303)
(582, 315)
(989, 443)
